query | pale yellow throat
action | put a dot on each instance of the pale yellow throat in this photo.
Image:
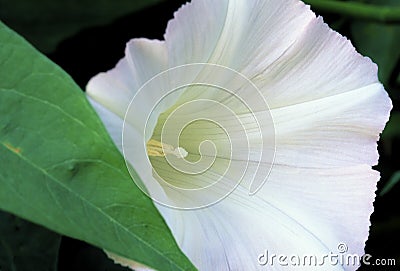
(158, 149)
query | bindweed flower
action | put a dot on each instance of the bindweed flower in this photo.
(253, 127)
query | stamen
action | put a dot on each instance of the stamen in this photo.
(158, 149)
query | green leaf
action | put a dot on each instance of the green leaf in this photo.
(25, 246)
(379, 41)
(60, 169)
(391, 183)
(47, 22)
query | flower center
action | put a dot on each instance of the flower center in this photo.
(159, 149)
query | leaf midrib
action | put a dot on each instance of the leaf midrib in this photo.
(99, 210)
(55, 180)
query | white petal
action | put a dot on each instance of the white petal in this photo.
(307, 212)
(333, 204)
(146, 58)
(111, 121)
(115, 89)
(320, 63)
(289, 54)
(255, 32)
(340, 130)
(328, 110)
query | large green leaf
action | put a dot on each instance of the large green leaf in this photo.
(47, 22)
(60, 169)
(25, 246)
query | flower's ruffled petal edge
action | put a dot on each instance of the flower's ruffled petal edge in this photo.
(340, 130)
(246, 36)
(314, 64)
(128, 263)
(320, 63)
(316, 211)
(333, 204)
(256, 33)
(336, 131)
(115, 89)
(278, 68)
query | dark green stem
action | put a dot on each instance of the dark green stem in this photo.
(358, 10)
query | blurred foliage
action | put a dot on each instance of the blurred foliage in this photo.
(392, 182)
(25, 246)
(47, 22)
(392, 130)
(379, 41)
(359, 10)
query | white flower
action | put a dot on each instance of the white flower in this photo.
(328, 109)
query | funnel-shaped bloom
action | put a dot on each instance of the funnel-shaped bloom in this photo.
(289, 99)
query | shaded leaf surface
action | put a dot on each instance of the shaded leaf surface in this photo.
(59, 168)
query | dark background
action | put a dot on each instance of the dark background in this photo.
(94, 49)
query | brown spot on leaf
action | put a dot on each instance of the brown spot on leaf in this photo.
(12, 148)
